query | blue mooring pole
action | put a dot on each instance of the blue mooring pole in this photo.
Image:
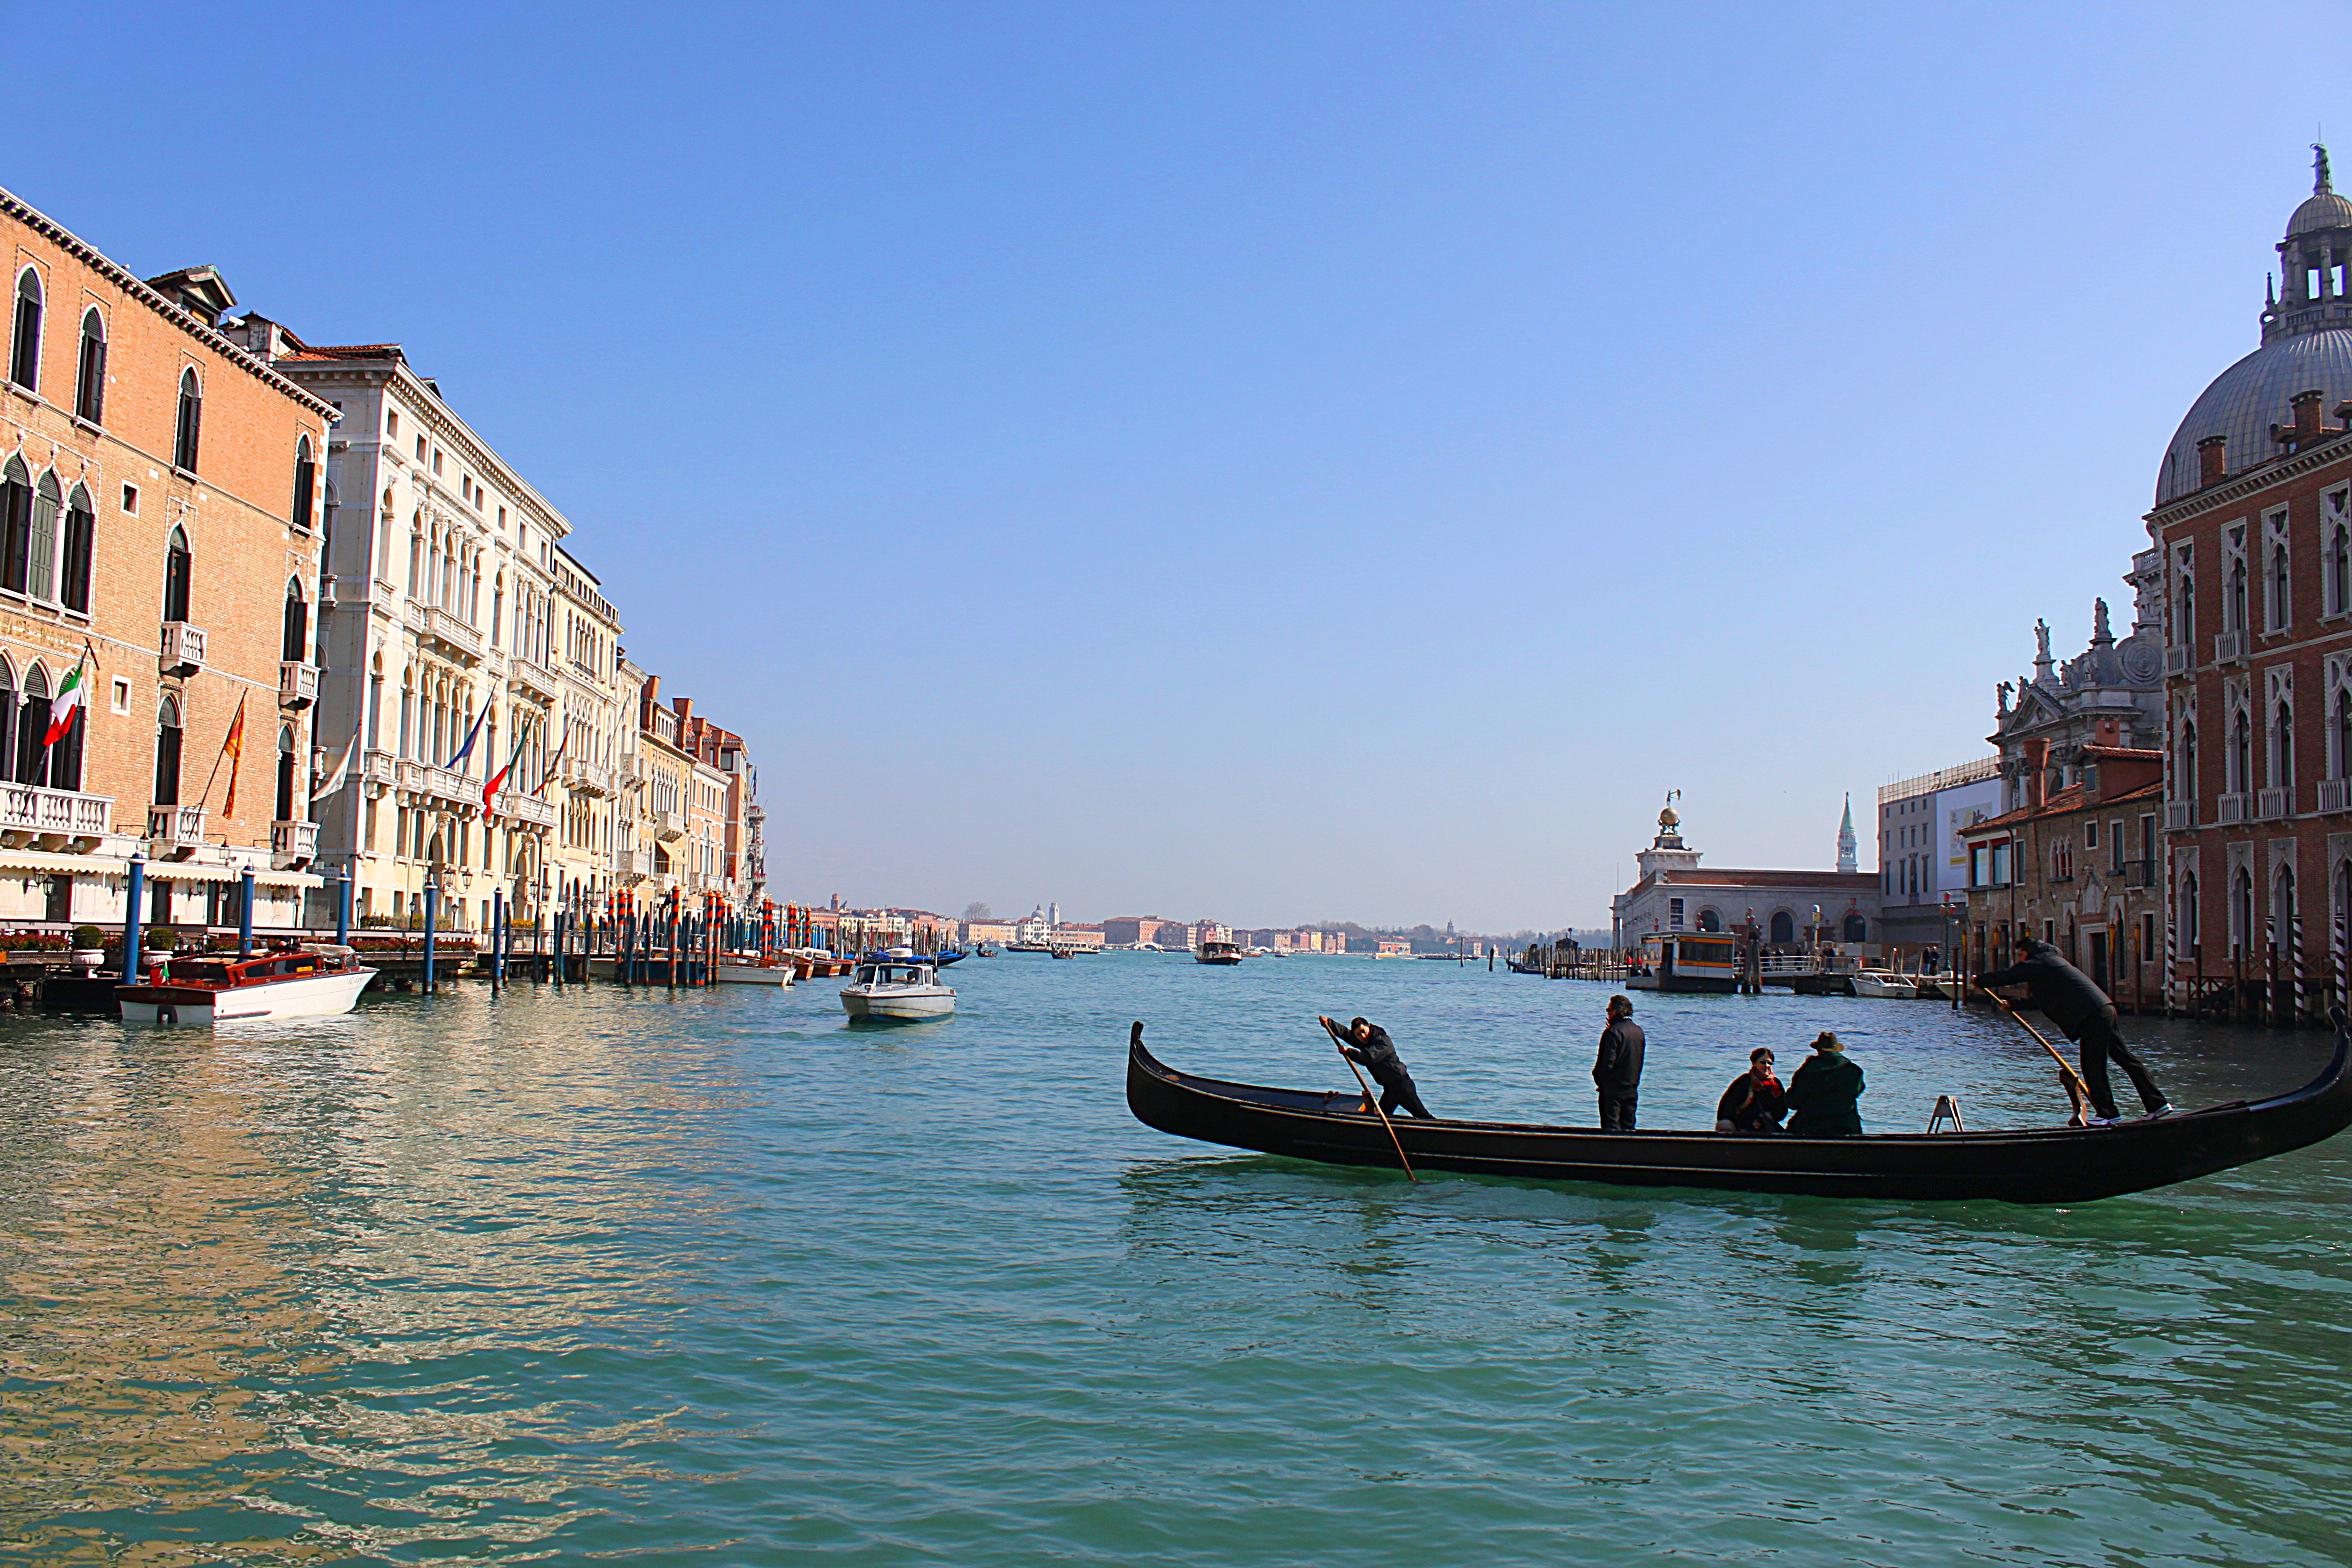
(497, 918)
(245, 915)
(432, 908)
(343, 908)
(137, 887)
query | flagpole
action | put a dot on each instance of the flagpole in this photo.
(206, 798)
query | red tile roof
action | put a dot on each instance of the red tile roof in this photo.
(348, 351)
(2067, 802)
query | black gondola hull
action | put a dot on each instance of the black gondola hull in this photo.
(2057, 1165)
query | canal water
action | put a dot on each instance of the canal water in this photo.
(596, 1277)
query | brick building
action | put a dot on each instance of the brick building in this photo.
(2077, 866)
(160, 509)
(2252, 528)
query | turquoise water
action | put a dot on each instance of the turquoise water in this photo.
(714, 1278)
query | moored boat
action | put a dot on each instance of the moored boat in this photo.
(1882, 983)
(772, 969)
(1688, 961)
(2041, 1165)
(309, 982)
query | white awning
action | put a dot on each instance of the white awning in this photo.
(47, 861)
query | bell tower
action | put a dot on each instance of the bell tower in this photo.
(1667, 852)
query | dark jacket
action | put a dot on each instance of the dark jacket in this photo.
(1821, 1097)
(1750, 1109)
(2055, 986)
(1617, 1070)
(1379, 1056)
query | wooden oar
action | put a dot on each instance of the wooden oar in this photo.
(1374, 1103)
(2076, 1090)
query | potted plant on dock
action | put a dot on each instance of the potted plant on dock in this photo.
(89, 946)
(34, 947)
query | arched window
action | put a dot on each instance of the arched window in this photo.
(81, 541)
(7, 717)
(305, 481)
(2242, 912)
(179, 572)
(32, 729)
(2343, 733)
(167, 752)
(65, 758)
(2188, 761)
(16, 525)
(2188, 611)
(1784, 926)
(2186, 928)
(90, 382)
(295, 645)
(2282, 747)
(2340, 560)
(286, 811)
(2282, 911)
(24, 359)
(2241, 754)
(2236, 608)
(187, 434)
(41, 551)
(1709, 920)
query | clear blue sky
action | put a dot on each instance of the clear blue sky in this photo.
(1272, 462)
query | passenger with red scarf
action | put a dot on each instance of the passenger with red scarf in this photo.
(1756, 1100)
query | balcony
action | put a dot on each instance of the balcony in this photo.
(2335, 794)
(2233, 808)
(2179, 816)
(589, 778)
(669, 826)
(293, 845)
(536, 676)
(53, 818)
(297, 684)
(632, 863)
(375, 771)
(528, 809)
(2272, 803)
(183, 648)
(2139, 873)
(2229, 646)
(422, 778)
(2176, 661)
(453, 633)
(174, 832)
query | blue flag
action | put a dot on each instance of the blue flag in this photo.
(472, 735)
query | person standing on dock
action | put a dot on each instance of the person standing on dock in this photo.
(1368, 1045)
(1617, 1070)
(2074, 1002)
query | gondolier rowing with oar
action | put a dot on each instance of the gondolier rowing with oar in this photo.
(1366, 1042)
(2080, 1008)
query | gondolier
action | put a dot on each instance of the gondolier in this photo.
(2076, 1005)
(1368, 1045)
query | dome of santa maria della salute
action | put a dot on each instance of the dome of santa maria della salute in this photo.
(2306, 347)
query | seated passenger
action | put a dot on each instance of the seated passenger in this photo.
(1822, 1093)
(1756, 1100)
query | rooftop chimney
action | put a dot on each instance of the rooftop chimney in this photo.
(2307, 411)
(2212, 459)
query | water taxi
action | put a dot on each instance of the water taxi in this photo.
(320, 981)
(776, 969)
(1217, 952)
(899, 988)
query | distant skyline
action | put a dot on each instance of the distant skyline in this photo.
(1279, 462)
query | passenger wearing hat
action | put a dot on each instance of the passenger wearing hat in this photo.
(1822, 1092)
(1617, 1069)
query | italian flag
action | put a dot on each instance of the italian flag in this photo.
(66, 704)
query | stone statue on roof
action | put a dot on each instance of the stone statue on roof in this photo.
(2004, 688)
(2041, 641)
(2100, 632)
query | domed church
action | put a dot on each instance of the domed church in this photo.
(2252, 548)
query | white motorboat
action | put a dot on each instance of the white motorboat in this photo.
(310, 982)
(752, 969)
(1882, 982)
(897, 990)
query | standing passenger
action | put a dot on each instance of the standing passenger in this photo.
(1617, 1070)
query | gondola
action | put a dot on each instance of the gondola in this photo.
(2054, 1165)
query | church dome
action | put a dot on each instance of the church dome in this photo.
(2306, 346)
(2322, 210)
(2253, 395)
